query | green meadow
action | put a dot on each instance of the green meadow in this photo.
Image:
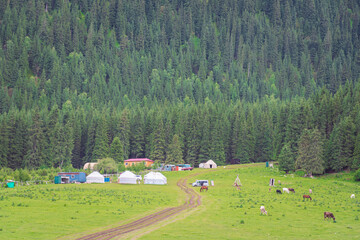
(228, 213)
(57, 211)
(53, 211)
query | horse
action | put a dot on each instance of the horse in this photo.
(286, 190)
(306, 196)
(329, 215)
(203, 188)
(291, 190)
(278, 191)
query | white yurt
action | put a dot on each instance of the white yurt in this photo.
(128, 177)
(95, 177)
(210, 164)
(155, 178)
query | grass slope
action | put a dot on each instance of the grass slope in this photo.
(52, 211)
(231, 214)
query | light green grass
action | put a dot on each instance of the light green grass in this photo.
(53, 211)
(231, 214)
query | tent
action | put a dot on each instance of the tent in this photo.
(155, 178)
(95, 177)
(128, 177)
(210, 164)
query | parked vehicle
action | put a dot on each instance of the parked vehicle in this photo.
(199, 183)
(185, 167)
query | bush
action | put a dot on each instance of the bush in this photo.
(357, 175)
(300, 173)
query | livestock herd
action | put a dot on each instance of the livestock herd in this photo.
(327, 215)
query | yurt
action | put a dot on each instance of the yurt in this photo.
(95, 177)
(155, 178)
(210, 164)
(128, 177)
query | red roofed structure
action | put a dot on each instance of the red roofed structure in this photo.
(133, 161)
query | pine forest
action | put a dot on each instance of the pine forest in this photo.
(180, 81)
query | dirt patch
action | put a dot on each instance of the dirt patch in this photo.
(193, 201)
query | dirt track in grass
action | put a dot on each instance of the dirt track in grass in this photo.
(193, 201)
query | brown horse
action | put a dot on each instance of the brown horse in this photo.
(306, 196)
(203, 188)
(329, 215)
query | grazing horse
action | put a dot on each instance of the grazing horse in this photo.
(286, 190)
(329, 215)
(203, 188)
(278, 191)
(291, 190)
(306, 196)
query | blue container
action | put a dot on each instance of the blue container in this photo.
(74, 176)
(10, 184)
(107, 179)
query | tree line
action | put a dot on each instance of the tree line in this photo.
(179, 81)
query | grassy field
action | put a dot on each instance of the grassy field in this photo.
(54, 211)
(228, 213)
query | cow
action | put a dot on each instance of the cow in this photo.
(286, 190)
(291, 190)
(352, 196)
(307, 196)
(329, 215)
(263, 211)
(278, 191)
(310, 191)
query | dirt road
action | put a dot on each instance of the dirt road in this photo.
(193, 200)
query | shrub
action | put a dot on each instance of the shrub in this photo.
(300, 173)
(357, 175)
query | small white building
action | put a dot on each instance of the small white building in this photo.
(155, 178)
(95, 177)
(210, 164)
(128, 177)
(90, 165)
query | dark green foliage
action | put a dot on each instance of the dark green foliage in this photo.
(116, 151)
(310, 152)
(232, 79)
(357, 175)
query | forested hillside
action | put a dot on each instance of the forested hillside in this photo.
(183, 80)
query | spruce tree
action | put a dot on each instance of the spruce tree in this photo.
(174, 153)
(116, 151)
(310, 152)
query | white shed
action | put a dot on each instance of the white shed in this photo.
(210, 164)
(155, 178)
(95, 177)
(128, 177)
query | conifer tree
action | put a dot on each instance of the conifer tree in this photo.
(286, 159)
(174, 153)
(310, 152)
(116, 151)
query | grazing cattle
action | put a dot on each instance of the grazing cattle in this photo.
(329, 215)
(278, 191)
(286, 190)
(352, 196)
(310, 191)
(263, 211)
(307, 196)
(291, 190)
